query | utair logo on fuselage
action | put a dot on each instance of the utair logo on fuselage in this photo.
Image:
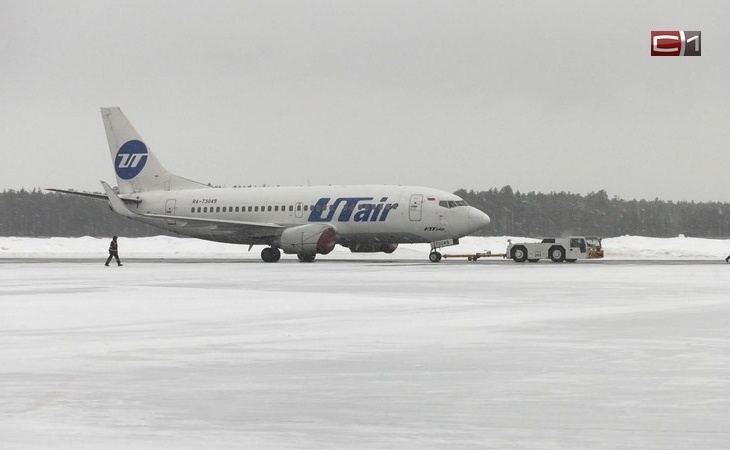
(130, 159)
(351, 210)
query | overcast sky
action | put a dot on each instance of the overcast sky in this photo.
(543, 96)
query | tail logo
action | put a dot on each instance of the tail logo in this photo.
(130, 159)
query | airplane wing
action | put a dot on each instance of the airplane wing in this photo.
(90, 195)
(119, 207)
(220, 223)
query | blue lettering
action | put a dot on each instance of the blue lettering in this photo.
(378, 212)
(364, 213)
(350, 204)
(316, 214)
(388, 208)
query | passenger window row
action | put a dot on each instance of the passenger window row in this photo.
(268, 208)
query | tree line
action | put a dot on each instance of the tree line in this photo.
(595, 214)
(39, 213)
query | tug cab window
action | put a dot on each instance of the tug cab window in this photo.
(593, 242)
(578, 243)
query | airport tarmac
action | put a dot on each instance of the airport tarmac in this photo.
(364, 354)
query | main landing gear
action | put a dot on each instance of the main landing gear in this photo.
(306, 257)
(270, 254)
(273, 254)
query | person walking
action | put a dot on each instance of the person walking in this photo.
(113, 252)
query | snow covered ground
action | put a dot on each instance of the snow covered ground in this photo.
(200, 345)
(625, 247)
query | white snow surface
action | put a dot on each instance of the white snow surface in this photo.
(624, 247)
(199, 345)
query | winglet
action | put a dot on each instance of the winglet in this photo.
(116, 203)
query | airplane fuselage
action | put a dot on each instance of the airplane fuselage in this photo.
(359, 213)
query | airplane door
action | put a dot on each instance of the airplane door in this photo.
(298, 209)
(415, 211)
(170, 210)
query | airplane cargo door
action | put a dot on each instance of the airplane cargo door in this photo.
(415, 212)
(170, 210)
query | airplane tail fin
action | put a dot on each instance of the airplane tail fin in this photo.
(135, 166)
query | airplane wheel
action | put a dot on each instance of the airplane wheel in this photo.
(306, 257)
(434, 257)
(270, 254)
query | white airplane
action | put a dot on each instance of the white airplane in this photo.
(301, 220)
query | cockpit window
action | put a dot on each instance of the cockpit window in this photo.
(452, 203)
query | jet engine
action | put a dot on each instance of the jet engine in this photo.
(309, 239)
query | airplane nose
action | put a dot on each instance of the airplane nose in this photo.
(478, 219)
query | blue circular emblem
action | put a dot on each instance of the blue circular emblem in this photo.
(130, 159)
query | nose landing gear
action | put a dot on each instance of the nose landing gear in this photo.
(434, 256)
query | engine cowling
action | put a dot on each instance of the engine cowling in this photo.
(372, 247)
(309, 239)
